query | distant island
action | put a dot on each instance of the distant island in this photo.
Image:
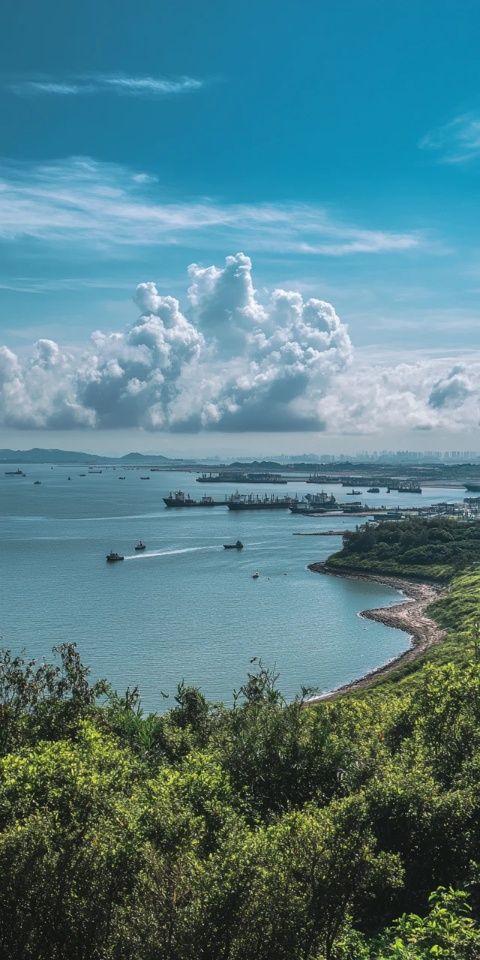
(40, 455)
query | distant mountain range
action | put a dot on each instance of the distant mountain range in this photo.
(37, 455)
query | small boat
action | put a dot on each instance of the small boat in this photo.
(140, 545)
(238, 545)
(373, 490)
(121, 478)
(354, 493)
(144, 478)
(15, 473)
(82, 474)
(113, 557)
(255, 575)
(36, 483)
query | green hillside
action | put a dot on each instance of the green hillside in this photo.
(419, 548)
(345, 831)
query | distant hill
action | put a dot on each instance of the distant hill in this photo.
(38, 455)
(144, 458)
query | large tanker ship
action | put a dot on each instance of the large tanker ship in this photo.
(254, 502)
(232, 477)
(181, 499)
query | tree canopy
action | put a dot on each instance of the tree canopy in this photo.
(349, 830)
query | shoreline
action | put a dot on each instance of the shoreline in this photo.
(408, 615)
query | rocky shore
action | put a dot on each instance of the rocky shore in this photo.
(409, 616)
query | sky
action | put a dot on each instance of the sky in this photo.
(232, 229)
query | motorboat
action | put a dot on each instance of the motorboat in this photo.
(113, 557)
(255, 575)
(238, 545)
(140, 545)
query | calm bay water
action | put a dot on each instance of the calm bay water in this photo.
(186, 608)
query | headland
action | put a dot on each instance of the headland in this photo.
(409, 615)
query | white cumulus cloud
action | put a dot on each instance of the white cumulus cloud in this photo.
(231, 360)
(228, 362)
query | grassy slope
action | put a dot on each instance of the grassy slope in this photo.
(438, 573)
(457, 612)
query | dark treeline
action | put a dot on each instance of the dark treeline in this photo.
(418, 547)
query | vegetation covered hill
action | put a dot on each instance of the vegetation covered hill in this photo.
(346, 831)
(426, 549)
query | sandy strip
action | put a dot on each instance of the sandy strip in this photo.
(408, 616)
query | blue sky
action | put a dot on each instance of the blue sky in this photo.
(336, 145)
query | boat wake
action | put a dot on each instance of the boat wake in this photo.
(168, 553)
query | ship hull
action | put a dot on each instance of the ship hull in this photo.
(268, 505)
(193, 503)
(311, 510)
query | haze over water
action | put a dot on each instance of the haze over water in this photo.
(186, 608)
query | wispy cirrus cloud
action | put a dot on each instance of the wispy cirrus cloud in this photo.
(120, 85)
(457, 141)
(108, 207)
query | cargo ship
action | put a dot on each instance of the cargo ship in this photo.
(315, 503)
(181, 499)
(316, 478)
(229, 477)
(405, 486)
(254, 502)
(355, 506)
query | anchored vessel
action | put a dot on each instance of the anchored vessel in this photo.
(181, 499)
(405, 486)
(140, 545)
(231, 477)
(15, 473)
(254, 502)
(315, 503)
(318, 478)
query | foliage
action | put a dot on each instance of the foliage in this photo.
(271, 830)
(433, 549)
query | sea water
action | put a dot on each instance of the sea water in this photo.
(185, 609)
